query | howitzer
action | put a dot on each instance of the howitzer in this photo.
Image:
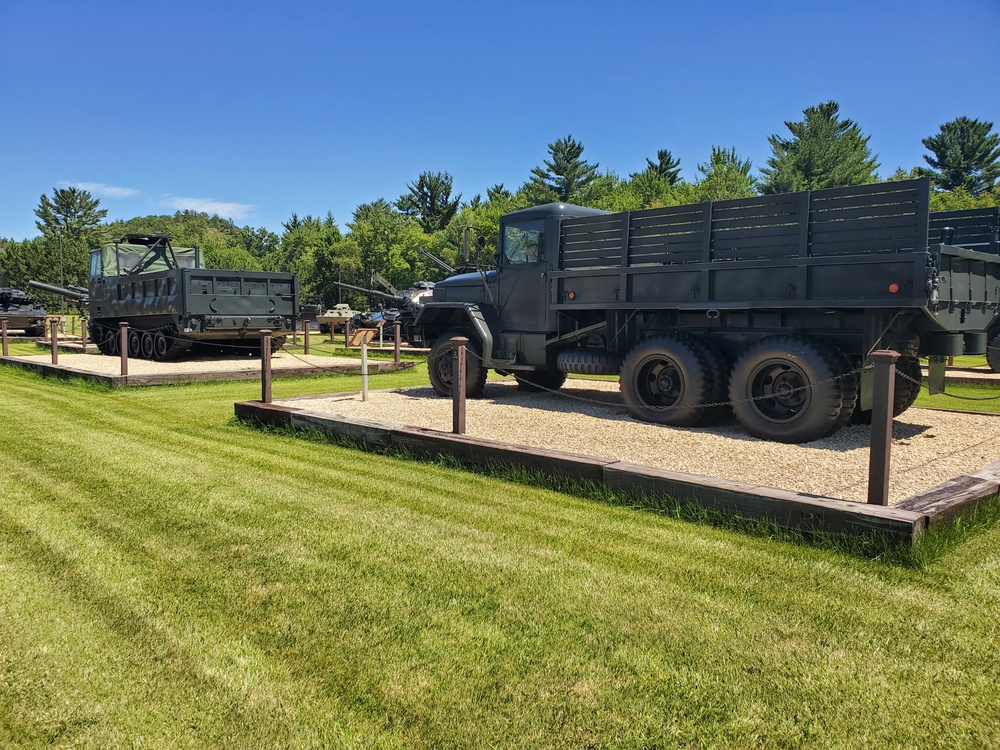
(432, 257)
(77, 294)
(397, 299)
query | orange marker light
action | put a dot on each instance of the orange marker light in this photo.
(893, 287)
(571, 295)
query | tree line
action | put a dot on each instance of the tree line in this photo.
(821, 150)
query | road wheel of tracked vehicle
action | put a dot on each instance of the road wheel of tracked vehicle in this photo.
(112, 343)
(786, 388)
(160, 345)
(441, 367)
(34, 331)
(134, 343)
(536, 381)
(665, 380)
(146, 345)
(276, 343)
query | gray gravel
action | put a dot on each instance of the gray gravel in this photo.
(586, 416)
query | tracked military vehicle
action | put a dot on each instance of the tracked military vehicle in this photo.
(173, 304)
(22, 311)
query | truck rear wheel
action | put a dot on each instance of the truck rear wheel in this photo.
(905, 390)
(441, 367)
(993, 353)
(665, 380)
(786, 388)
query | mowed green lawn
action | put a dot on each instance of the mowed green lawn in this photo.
(169, 578)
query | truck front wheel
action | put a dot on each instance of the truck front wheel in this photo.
(441, 367)
(665, 380)
(787, 389)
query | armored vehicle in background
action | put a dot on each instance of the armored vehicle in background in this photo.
(172, 303)
(334, 319)
(22, 311)
(769, 306)
(402, 306)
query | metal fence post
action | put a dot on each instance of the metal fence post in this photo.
(396, 332)
(83, 334)
(123, 345)
(458, 386)
(883, 390)
(265, 366)
(364, 367)
(305, 336)
(3, 332)
(54, 327)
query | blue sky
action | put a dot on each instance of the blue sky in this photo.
(256, 109)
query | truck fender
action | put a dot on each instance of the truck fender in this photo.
(437, 318)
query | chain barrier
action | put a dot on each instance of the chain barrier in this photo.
(647, 407)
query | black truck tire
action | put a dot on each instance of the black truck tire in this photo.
(540, 380)
(905, 391)
(665, 380)
(993, 353)
(786, 389)
(717, 372)
(441, 364)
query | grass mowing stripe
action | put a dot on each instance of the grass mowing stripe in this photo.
(414, 605)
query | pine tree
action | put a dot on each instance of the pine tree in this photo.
(666, 167)
(824, 151)
(429, 200)
(966, 156)
(70, 213)
(565, 177)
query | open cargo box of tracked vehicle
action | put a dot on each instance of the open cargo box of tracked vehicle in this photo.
(772, 304)
(172, 303)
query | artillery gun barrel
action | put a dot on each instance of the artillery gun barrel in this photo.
(79, 296)
(397, 298)
(432, 257)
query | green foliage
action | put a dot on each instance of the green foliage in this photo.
(666, 167)
(966, 156)
(564, 178)
(429, 200)
(70, 213)
(823, 152)
(960, 199)
(725, 176)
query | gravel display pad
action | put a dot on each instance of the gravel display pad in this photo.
(587, 416)
(100, 364)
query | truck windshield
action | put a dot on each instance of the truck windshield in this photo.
(522, 243)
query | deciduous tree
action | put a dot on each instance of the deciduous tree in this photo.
(725, 175)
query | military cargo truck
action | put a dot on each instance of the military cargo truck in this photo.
(172, 303)
(771, 304)
(974, 229)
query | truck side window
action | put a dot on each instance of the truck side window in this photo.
(95, 264)
(522, 244)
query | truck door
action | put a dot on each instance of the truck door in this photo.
(521, 279)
